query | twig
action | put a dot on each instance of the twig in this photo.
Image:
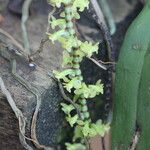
(45, 38)
(107, 63)
(65, 97)
(40, 49)
(97, 63)
(18, 113)
(25, 15)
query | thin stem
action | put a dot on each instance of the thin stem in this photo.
(97, 63)
(18, 113)
(45, 38)
(65, 97)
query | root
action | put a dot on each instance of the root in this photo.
(25, 15)
(18, 113)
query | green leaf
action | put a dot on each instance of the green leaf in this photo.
(62, 14)
(57, 3)
(95, 90)
(69, 42)
(88, 48)
(67, 59)
(92, 132)
(99, 128)
(75, 146)
(76, 97)
(67, 108)
(56, 35)
(81, 4)
(63, 74)
(83, 91)
(77, 133)
(76, 15)
(90, 91)
(80, 122)
(57, 22)
(80, 53)
(72, 120)
(73, 83)
(86, 129)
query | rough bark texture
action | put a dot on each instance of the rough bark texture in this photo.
(49, 120)
(8, 127)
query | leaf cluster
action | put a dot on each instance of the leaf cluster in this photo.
(83, 128)
(76, 5)
(71, 77)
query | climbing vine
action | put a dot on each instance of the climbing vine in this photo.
(77, 114)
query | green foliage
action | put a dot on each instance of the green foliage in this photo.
(57, 3)
(99, 128)
(92, 129)
(72, 120)
(57, 22)
(63, 75)
(67, 59)
(81, 4)
(78, 132)
(67, 108)
(75, 146)
(73, 83)
(69, 42)
(57, 35)
(89, 91)
(88, 48)
(84, 128)
(74, 52)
